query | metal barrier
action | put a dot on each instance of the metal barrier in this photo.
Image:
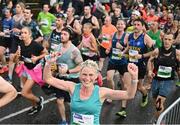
(171, 115)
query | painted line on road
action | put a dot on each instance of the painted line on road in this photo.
(26, 109)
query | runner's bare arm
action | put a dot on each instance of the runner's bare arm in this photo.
(49, 79)
(150, 64)
(178, 55)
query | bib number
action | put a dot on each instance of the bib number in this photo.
(116, 54)
(81, 119)
(164, 72)
(132, 54)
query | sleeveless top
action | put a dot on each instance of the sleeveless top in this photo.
(115, 53)
(156, 38)
(55, 40)
(137, 46)
(86, 111)
(75, 36)
(86, 43)
(66, 58)
(87, 20)
(165, 66)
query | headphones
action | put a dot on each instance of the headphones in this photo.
(70, 31)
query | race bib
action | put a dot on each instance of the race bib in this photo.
(132, 54)
(44, 22)
(116, 54)
(81, 119)
(85, 51)
(164, 72)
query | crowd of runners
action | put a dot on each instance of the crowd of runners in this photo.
(64, 50)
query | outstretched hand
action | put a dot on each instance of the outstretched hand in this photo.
(133, 70)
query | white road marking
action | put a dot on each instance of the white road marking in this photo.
(26, 109)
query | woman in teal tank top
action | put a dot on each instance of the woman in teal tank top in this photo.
(87, 98)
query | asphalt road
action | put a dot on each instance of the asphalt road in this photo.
(15, 112)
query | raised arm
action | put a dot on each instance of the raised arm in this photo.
(49, 79)
(107, 93)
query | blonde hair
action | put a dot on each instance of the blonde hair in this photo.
(90, 64)
(22, 5)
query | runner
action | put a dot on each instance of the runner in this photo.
(116, 61)
(45, 20)
(87, 98)
(29, 69)
(139, 42)
(88, 45)
(55, 37)
(74, 24)
(155, 34)
(106, 36)
(68, 68)
(5, 38)
(89, 18)
(162, 65)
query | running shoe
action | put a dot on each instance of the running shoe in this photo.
(38, 108)
(32, 110)
(40, 104)
(144, 101)
(178, 84)
(155, 122)
(63, 123)
(122, 113)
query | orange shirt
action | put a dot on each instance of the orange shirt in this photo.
(107, 33)
(151, 18)
(144, 15)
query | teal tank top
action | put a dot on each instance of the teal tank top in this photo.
(85, 111)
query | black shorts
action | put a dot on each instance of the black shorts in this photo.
(102, 51)
(142, 70)
(64, 94)
(15, 43)
(6, 42)
(94, 58)
(121, 68)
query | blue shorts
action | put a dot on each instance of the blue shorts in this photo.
(162, 88)
(25, 74)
